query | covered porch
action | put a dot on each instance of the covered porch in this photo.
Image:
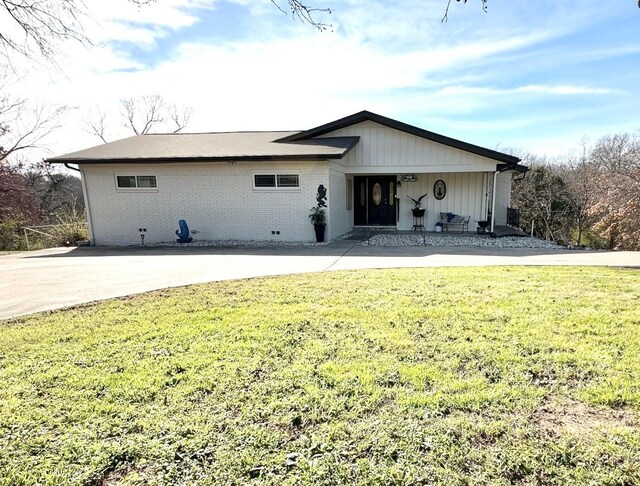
(385, 201)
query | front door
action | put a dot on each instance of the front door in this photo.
(375, 203)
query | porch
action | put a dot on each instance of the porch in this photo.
(385, 201)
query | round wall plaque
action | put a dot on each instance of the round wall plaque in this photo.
(439, 189)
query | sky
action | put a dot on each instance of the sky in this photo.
(536, 76)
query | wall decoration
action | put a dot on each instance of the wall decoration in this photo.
(321, 196)
(439, 189)
(409, 178)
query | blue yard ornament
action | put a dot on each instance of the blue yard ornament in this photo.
(183, 232)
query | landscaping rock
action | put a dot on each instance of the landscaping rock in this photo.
(424, 239)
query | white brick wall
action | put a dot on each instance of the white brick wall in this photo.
(216, 199)
(338, 214)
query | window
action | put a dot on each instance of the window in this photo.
(126, 181)
(276, 181)
(265, 180)
(136, 182)
(146, 181)
(288, 180)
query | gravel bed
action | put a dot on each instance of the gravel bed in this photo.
(238, 243)
(454, 240)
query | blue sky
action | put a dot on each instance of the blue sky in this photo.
(539, 76)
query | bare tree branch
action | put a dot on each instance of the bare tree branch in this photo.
(36, 25)
(96, 125)
(22, 126)
(144, 113)
(31, 27)
(180, 116)
(306, 13)
(446, 10)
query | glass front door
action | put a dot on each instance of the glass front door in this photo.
(375, 201)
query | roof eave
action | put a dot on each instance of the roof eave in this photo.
(517, 167)
(173, 160)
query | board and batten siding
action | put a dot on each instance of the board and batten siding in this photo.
(466, 195)
(217, 200)
(384, 150)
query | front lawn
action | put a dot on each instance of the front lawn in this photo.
(415, 376)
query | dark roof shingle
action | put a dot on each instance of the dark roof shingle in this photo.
(210, 146)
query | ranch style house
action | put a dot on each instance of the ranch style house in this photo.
(262, 185)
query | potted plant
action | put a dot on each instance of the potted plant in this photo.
(418, 210)
(318, 217)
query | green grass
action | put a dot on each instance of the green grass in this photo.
(414, 376)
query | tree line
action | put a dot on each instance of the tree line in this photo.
(591, 198)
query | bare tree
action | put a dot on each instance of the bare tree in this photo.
(54, 190)
(96, 125)
(23, 126)
(580, 176)
(543, 199)
(616, 209)
(142, 115)
(179, 116)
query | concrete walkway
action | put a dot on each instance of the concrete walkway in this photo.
(61, 277)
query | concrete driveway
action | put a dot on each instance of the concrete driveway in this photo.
(61, 277)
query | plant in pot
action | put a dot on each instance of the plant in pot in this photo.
(318, 217)
(418, 210)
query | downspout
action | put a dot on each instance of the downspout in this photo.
(66, 164)
(85, 193)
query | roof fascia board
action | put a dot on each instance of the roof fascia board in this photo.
(182, 160)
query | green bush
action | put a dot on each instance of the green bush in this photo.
(71, 229)
(69, 234)
(11, 238)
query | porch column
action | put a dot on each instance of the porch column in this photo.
(493, 201)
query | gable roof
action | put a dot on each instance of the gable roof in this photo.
(256, 146)
(404, 127)
(195, 147)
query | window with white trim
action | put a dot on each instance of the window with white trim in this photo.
(129, 181)
(276, 181)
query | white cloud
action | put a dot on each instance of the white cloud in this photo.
(393, 57)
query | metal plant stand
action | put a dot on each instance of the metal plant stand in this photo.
(418, 219)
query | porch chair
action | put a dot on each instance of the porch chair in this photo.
(455, 220)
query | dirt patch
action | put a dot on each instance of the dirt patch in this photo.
(577, 417)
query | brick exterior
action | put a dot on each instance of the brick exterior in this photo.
(217, 200)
